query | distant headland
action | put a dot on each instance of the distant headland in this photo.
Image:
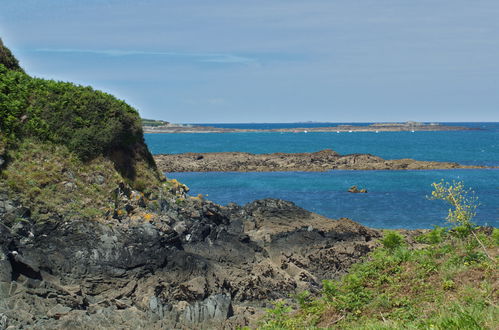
(159, 126)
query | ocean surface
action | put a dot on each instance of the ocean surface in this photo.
(396, 199)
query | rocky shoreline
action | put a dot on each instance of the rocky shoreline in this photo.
(383, 127)
(94, 236)
(324, 160)
(190, 265)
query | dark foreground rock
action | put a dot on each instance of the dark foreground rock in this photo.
(190, 264)
(324, 160)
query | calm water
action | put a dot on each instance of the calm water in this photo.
(396, 199)
(466, 147)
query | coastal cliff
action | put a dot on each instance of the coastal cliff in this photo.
(93, 236)
(324, 160)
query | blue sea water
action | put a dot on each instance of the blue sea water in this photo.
(396, 199)
(479, 147)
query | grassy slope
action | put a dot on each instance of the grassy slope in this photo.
(447, 282)
(67, 147)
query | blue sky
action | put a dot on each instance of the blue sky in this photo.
(269, 61)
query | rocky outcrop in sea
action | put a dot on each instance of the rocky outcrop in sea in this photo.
(323, 160)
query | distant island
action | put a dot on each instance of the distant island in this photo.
(158, 126)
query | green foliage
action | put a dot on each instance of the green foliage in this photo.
(330, 289)
(7, 59)
(459, 320)
(435, 236)
(278, 317)
(13, 100)
(451, 283)
(392, 240)
(87, 122)
(447, 285)
(90, 123)
(495, 236)
(304, 299)
(55, 182)
(462, 201)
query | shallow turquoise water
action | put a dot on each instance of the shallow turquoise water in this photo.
(396, 199)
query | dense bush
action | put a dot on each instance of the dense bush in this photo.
(7, 59)
(392, 239)
(88, 122)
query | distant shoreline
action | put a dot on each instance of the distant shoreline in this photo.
(379, 127)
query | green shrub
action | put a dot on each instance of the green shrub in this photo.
(392, 240)
(330, 289)
(463, 202)
(7, 59)
(460, 320)
(495, 236)
(277, 317)
(90, 123)
(435, 236)
(304, 299)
